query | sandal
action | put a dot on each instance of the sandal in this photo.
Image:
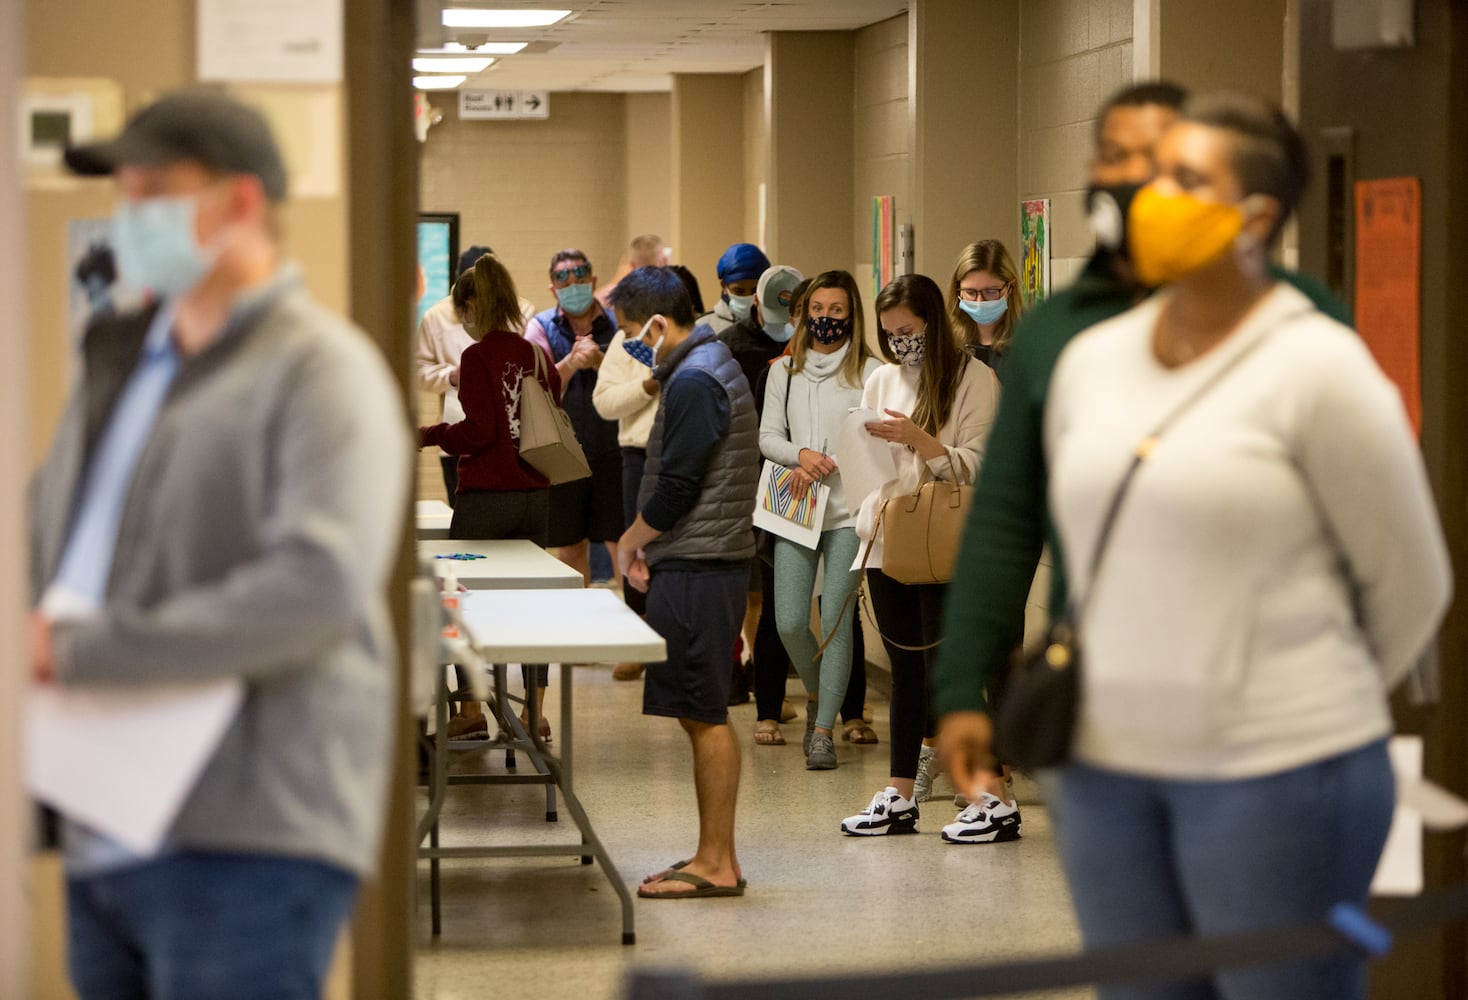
(857, 731)
(702, 888)
(767, 734)
(677, 866)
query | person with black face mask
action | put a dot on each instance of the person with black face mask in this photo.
(1009, 523)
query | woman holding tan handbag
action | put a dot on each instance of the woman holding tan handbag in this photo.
(499, 494)
(937, 404)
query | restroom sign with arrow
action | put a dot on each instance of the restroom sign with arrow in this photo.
(504, 104)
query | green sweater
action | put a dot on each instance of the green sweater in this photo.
(1009, 522)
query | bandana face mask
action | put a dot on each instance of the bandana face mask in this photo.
(640, 349)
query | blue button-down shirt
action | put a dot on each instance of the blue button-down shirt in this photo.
(86, 559)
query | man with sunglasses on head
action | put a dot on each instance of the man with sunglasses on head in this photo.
(575, 333)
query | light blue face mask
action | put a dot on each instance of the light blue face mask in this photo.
(984, 313)
(740, 305)
(155, 245)
(780, 333)
(575, 299)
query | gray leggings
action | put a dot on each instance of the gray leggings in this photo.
(795, 580)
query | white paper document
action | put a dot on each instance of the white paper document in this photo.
(123, 761)
(1399, 872)
(866, 462)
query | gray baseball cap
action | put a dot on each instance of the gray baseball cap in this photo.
(202, 125)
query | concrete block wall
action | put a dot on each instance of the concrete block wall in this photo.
(881, 139)
(1073, 55)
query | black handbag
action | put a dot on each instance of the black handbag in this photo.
(1038, 703)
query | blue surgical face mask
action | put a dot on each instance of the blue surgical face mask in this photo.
(779, 332)
(984, 313)
(155, 245)
(740, 305)
(575, 299)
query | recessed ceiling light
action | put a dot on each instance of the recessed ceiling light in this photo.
(484, 17)
(438, 82)
(452, 64)
(485, 49)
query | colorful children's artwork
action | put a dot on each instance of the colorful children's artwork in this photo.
(1034, 240)
(884, 230)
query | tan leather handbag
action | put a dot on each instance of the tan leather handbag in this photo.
(547, 440)
(921, 531)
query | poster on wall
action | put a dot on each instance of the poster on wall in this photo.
(1388, 280)
(438, 255)
(884, 228)
(94, 287)
(1034, 241)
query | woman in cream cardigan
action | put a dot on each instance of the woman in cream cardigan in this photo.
(937, 405)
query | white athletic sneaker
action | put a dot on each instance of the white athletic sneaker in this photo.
(988, 821)
(927, 770)
(889, 812)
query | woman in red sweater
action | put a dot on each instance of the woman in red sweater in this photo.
(499, 496)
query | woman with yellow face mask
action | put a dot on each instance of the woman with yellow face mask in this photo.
(1254, 561)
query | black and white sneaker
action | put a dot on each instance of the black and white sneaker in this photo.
(989, 820)
(888, 813)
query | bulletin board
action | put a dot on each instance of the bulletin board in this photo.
(1389, 279)
(1034, 241)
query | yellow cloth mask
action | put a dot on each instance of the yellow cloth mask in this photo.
(1172, 235)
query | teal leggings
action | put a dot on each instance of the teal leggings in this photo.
(795, 580)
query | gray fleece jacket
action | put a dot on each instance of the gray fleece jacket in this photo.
(256, 542)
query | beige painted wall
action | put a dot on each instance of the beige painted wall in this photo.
(881, 153)
(648, 149)
(708, 172)
(1073, 55)
(756, 155)
(810, 75)
(1206, 45)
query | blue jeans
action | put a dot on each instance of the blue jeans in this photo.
(1153, 858)
(192, 925)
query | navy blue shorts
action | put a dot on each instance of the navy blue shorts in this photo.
(698, 613)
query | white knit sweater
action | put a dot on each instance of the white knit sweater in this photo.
(1220, 639)
(619, 394)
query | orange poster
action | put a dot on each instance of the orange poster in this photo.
(1388, 281)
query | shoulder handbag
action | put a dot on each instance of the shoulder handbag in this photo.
(921, 530)
(547, 440)
(1038, 702)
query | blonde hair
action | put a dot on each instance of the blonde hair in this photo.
(490, 289)
(857, 354)
(991, 256)
(943, 361)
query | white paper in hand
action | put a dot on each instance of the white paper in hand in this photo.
(122, 761)
(866, 462)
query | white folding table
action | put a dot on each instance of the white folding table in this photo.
(434, 517)
(507, 564)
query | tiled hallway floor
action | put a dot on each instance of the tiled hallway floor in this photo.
(818, 902)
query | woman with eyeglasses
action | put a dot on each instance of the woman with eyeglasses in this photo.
(984, 300)
(937, 404)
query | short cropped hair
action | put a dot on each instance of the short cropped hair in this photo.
(1158, 93)
(561, 256)
(1268, 153)
(653, 291)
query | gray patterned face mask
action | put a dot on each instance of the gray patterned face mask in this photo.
(908, 347)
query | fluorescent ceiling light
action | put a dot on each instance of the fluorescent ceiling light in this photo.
(482, 17)
(452, 64)
(486, 49)
(438, 82)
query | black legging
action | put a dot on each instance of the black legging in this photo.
(911, 614)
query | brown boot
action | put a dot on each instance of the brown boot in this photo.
(628, 671)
